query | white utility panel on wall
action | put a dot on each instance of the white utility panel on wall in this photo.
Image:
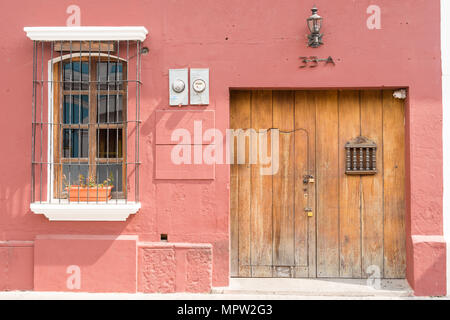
(199, 86)
(178, 87)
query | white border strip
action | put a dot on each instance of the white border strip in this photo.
(445, 52)
(86, 33)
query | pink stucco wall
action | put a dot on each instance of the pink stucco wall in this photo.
(246, 44)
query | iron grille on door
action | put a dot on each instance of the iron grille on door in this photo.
(85, 121)
(360, 154)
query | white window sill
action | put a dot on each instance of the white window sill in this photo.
(86, 211)
(86, 33)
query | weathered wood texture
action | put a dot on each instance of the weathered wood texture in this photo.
(261, 222)
(358, 222)
(283, 183)
(372, 186)
(394, 186)
(305, 195)
(327, 172)
(85, 46)
(349, 189)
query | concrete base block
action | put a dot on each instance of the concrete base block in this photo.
(174, 267)
(428, 274)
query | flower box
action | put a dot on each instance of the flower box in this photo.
(89, 194)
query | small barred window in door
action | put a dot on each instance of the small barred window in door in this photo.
(361, 156)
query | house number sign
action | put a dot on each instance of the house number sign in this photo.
(313, 61)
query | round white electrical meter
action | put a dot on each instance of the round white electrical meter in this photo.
(178, 86)
(199, 85)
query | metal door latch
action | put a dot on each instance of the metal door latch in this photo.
(309, 211)
(308, 179)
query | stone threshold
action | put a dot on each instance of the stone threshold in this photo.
(317, 287)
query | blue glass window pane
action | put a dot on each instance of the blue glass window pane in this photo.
(110, 74)
(72, 113)
(76, 75)
(110, 109)
(75, 143)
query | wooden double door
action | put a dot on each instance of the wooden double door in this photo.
(309, 218)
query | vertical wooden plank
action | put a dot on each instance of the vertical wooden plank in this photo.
(240, 189)
(394, 186)
(283, 184)
(327, 155)
(244, 204)
(349, 189)
(234, 194)
(234, 221)
(305, 195)
(261, 191)
(372, 186)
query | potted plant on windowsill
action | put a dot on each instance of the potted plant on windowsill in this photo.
(88, 190)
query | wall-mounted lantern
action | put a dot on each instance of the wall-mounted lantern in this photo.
(314, 25)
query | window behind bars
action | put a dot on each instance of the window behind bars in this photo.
(85, 121)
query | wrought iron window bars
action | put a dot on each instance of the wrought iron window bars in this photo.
(72, 104)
